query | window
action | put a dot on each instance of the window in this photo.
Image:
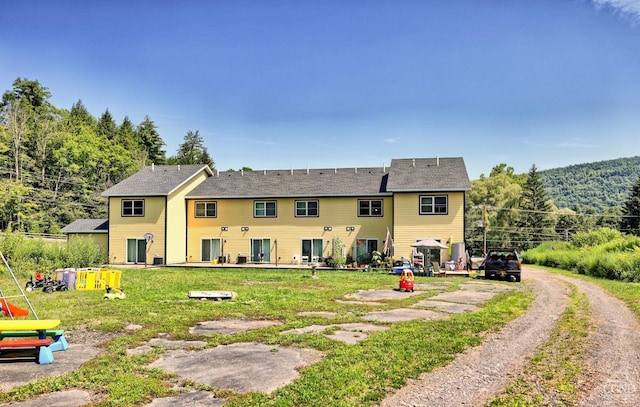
(306, 208)
(133, 207)
(433, 204)
(264, 209)
(206, 209)
(370, 207)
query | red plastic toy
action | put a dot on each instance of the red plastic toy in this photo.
(406, 280)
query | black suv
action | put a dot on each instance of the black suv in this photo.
(502, 263)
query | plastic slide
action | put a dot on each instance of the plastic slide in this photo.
(15, 310)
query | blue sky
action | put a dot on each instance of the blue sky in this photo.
(346, 83)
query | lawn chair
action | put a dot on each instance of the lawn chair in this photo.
(437, 271)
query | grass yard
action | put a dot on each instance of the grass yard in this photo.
(348, 375)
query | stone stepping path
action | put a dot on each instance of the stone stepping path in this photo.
(241, 367)
(465, 296)
(404, 314)
(325, 314)
(350, 333)
(230, 326)
(165, 343)
(189, 399)
(378, 295)
(450, 307)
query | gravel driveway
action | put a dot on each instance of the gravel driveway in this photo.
(612, 377)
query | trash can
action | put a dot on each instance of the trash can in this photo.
(157, 260)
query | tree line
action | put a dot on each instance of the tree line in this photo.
(506, 209)
(594, 186)
(55, 162)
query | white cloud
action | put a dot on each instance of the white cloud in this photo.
(391, 140)
(575, 142)
(631, 8)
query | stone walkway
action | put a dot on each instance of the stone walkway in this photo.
(255, 366)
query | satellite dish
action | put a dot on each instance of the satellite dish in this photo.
(148, 236)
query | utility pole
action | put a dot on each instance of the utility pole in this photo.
(484, 229)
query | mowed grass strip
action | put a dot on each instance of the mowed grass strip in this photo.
(553, 374)
(348, 375)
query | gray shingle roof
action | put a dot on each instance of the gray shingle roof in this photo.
(87, 226)
(423, 174)
(428, 174)
(278, 183)
(156, 180)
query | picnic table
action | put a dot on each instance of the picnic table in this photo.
(40, 335)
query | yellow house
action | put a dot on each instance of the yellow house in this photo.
(293, 216)
(147, 214)
(189, 214)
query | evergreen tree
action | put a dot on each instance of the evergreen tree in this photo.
(107, 126)
(630, 222)
(535, 222)
(127, 133)
(79, 118)
(32, 92)
(193, 151)
(150, 141)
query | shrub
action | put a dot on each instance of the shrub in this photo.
(595, 238)
(26, 256)
(602, 253)
(338, 258)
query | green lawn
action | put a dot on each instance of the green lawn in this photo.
(348, 375)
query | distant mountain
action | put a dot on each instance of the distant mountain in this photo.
(599, 185)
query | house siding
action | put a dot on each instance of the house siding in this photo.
(122, 228)
(177, 220)
(286, 228)
(410, 226)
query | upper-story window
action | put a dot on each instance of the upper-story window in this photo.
(133, 207)
(206, 209)
(264, 209)
(370, 207)
(434, 204)
(306, 208)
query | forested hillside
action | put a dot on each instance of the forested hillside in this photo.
(55, 163)
(598, 185)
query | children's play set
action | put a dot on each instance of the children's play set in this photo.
(24, 336)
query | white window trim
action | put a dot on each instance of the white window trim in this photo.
(206, 204)
(370, 214)
(255, 214)
(433, 212)
(306, 201)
